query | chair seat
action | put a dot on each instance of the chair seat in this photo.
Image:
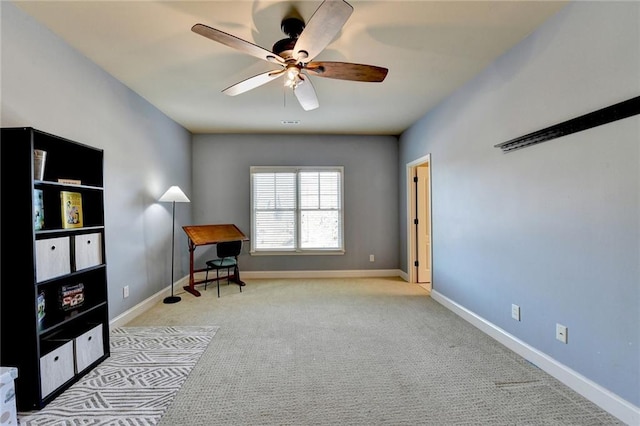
(221, 263)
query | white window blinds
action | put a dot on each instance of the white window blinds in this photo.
(297, 210)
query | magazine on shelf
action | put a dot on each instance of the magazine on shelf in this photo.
(71, 205)
(38, 209)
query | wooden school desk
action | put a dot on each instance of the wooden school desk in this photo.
(201, 235)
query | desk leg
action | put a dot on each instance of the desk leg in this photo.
(191, 287)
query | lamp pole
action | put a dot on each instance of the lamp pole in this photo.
(173, 195)
(172, 298)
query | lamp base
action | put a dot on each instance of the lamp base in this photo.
(172, 299)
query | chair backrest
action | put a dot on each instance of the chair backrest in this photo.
(229, 249)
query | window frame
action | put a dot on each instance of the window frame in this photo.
(297, 250)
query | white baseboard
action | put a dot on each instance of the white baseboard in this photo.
(605, 399)
(367, 273)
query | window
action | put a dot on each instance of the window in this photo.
(296, 210)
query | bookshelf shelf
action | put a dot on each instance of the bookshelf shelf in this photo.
(62, 291)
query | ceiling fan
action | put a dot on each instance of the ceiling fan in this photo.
(295, 54)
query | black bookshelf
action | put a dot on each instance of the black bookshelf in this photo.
(58, 268)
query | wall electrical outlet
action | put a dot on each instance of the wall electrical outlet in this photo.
(515, 312)
(372, 258)
(125, 291)
(561, 333)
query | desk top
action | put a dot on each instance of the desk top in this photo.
(212, 234)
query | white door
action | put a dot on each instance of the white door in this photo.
(423, 227)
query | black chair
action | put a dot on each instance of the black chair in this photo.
(227, 253)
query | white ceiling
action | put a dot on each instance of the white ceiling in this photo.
(430, 48)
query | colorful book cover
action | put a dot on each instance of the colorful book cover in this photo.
(71, 203)
(38, 209)
(71, 296)
(41, 307)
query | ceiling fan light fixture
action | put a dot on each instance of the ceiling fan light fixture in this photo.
(292, 77)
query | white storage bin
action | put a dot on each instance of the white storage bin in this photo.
(52, 258)
(56, 368)
(88, 347)
(8, 412)
(88, 249)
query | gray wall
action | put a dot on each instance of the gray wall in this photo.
(49, 86)
(221, 189)
(555, 227)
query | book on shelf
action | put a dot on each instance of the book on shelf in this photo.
(38, 209)
(71, 205)
(41, 307)
(70, 181)
(71, 296)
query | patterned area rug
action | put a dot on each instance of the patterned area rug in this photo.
(135, 385)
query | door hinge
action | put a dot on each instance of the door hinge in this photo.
(416, 263)
(415, 221)
(415, 179)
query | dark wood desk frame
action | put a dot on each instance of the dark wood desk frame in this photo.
(201, 235)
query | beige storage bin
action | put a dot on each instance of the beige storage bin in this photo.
(88, 347)
(88, 249)
(52, 258)
(56, 368)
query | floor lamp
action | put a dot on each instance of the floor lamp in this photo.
(173, 195)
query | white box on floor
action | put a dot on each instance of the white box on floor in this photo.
(8, 413)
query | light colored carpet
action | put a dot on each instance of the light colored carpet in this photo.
(367, 351)
(135, 385)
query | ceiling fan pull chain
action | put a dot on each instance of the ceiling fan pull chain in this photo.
(284, 97)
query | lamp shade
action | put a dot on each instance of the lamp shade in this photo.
(174, 194)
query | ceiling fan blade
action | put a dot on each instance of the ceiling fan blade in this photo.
(252, 82)
(323, 26)
(347, 71)
(236, 43)
(306, 94)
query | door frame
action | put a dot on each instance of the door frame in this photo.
(412, 255)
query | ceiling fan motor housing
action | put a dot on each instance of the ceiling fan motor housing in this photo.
(291, 26)
(284, 47)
